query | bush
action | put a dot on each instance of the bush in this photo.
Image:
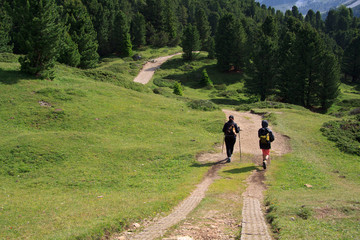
(178, 89)
(160, 82)
(9, 58)
(205, 80)
(304, 212)
(345, 133)
(204, 105)
(220, 87)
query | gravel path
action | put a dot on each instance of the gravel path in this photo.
(150, 67)
(253, 223)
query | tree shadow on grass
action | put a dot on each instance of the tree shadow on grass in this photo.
(241, 170)
(10, 77)
(226, 101)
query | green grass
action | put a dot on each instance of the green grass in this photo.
(331, 208)
(80, 156)
(227, 89)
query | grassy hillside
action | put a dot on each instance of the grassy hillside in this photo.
(79, 155)
(92, 151)
(330, 209)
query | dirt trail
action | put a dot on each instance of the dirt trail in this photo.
(253, 222)
(150, 67)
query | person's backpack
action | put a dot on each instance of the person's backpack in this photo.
(265, 137)
(231, 130)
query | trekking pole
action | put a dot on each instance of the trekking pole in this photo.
(222, 146)
(240, 145)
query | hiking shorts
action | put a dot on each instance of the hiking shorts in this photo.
(266, 152)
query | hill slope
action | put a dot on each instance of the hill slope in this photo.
(79, 156)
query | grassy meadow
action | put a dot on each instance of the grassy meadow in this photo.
(80, 156)
(91, 152)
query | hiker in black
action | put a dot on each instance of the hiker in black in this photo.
(265, 138)
(230, 130)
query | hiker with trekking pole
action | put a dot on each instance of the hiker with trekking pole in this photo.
(230, 130)
(265, 138)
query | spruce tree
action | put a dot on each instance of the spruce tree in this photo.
(171, 23)
(263, 67)
(82, 32)
(230, 44)
(69, 52)
(205, 80)
(5, 28)
(351, 60)
(178, 89)
(211, 48)
(43, 38)
(122, 39)
(203, 27)
(190, 42)
(328, 89)
(138, 30)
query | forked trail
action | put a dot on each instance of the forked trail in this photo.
(253, 222)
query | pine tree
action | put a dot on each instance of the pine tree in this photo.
(5, 28)
(328, 89)
(230, 44)
(138, 30)
(178, 89)
(69, 52)
(351, 59)
(190, 42)
(203, 27)
(43, 38)
(205, 80)
(121, 36)
(82, 32)
(171, 23)
(211, 48)
(263, 67)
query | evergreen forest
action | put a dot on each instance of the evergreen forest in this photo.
(286, 57)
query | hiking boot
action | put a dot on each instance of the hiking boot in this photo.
(228, 160)
(264, 164)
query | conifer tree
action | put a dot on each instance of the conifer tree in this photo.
(43, 38)
(230, 43)
(69, 52)
(205, 80)
(211, 48)
(178, 89)
(5, 28)
(351, 59)
(263, 67)
(171, 23)
(328, 89)
(203, 27)
(190, 42)
(122, 39)
(138, 30)
(82, 32)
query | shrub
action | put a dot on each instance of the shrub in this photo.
(204, 105)
(345, 133)
(9, 58)
(160, 82)
(178, 89)
(205, 80)
(220, 87)
(304, 212)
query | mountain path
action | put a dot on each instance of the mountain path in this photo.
(150, 67)
(253, 223)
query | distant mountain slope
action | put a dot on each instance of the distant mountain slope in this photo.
(305, 5)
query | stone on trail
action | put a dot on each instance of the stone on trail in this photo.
(308, 186)
(136, 225)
